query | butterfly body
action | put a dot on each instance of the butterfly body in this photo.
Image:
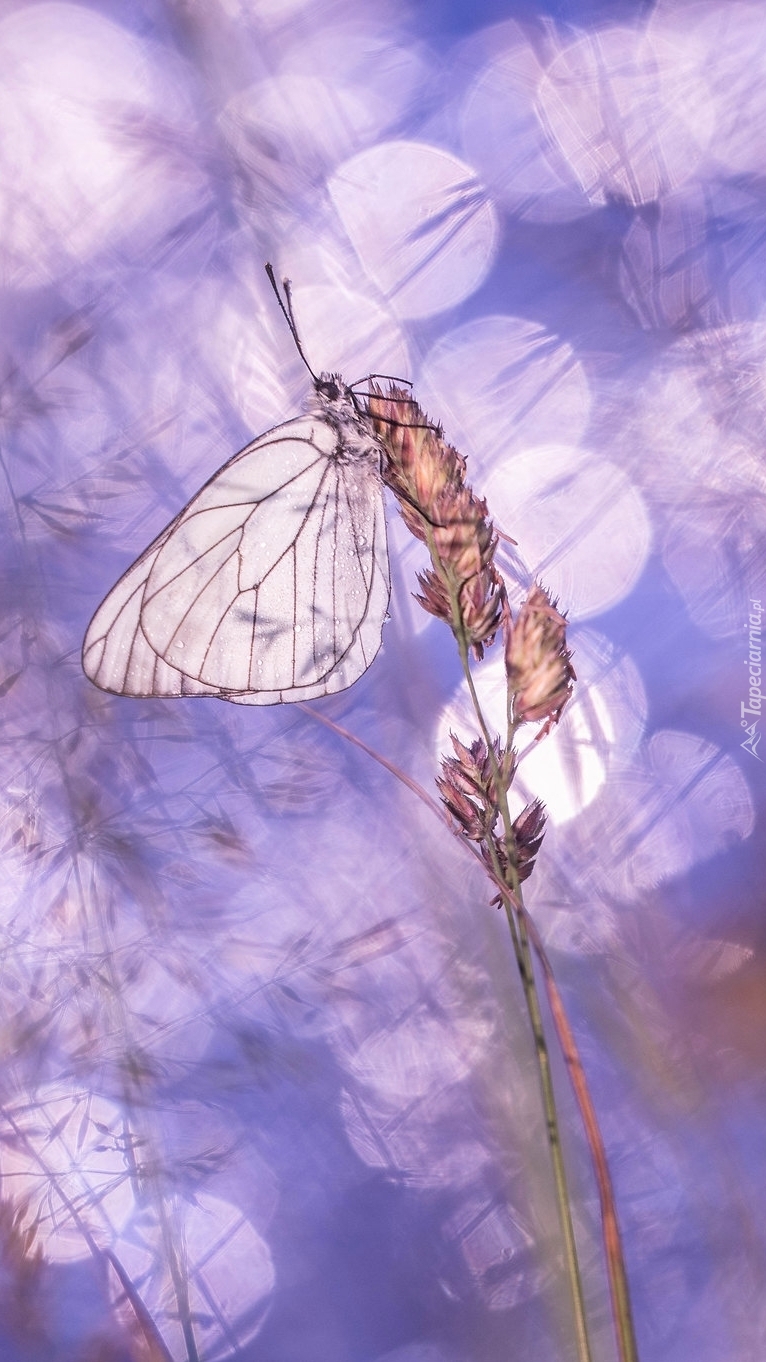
(272, 584)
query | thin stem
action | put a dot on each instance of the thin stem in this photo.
(554, 1138)
(615, 1258)
(516, 923)
(154, 1341)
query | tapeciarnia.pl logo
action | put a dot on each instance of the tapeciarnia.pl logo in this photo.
(755, 696)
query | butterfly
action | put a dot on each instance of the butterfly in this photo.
(272, 584)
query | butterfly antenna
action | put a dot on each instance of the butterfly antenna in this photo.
(392, 378)
(286, 306)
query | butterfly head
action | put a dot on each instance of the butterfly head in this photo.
(334, 400)
(331, 388)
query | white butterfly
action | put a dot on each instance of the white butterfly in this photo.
(272, 584)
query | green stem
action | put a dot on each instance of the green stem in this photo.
(553, 1132)
(615, 1258)
(520, 939)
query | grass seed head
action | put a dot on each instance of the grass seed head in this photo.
(538, 663)
(427, 476)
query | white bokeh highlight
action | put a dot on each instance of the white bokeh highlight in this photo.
(583, 528)
(79, 96)
(502, 383)
(631, 114)
(504, 138)
(420, 222)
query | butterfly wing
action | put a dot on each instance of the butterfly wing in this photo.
(271, 585)
(116, 654)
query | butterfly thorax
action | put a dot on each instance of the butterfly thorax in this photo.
(337, 406)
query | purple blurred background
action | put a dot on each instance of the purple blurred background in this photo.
(262, 1034)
